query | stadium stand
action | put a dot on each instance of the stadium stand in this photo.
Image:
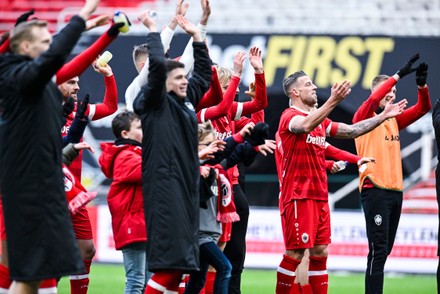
(412, 17)
(421, 198)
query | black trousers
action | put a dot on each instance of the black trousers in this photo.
(382, 209)
(235, 249)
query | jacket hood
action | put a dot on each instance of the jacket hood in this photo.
(108, 156)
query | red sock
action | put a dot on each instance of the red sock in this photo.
(318, 276)
(163, 281)
(306, 289)
(209, 284)
(79, 284)
(296, 289)
(48, 286)
(5, 282)
(286, 274)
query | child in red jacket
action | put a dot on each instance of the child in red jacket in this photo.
(122, 162)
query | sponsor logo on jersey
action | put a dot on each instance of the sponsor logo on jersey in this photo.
(320, 141)
(222, 136)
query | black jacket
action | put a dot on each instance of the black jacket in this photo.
(38, 226)
(170, 165)
(436, 124)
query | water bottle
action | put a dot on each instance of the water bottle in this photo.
(121, 17)
(341, 164)
(104, 58)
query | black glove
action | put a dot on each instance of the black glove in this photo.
(81, 107)
(114, 29)
(258, 134)
(68, 106)
(421, 74)
(407, 69)
(24, 17)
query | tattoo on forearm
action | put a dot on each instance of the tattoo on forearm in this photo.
(352, 131)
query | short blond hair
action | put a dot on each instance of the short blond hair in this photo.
(379, 79)
(23, 32)
(224, 75)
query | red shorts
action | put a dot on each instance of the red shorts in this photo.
(306, 223)
(226, 232)
(82, 225)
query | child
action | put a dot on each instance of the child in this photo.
(122, 162)
(216, 204)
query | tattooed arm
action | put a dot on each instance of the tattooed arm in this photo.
(345, 131)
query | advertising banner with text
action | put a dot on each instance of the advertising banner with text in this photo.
(415, 245)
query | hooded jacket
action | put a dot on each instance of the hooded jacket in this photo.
(123, 164)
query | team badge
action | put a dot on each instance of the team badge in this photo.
(378, 219)
(305, 238)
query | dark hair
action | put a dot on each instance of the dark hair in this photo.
(379, 79)
(122, 122)
(173, 64)
(290, 80)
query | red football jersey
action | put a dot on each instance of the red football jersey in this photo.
(302, 162)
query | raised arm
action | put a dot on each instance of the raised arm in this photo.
(79, 63)
(166, 36)
(305, 124)
(110, 102)
(214, 94)
(345, 131)
(168, 32)
(259, 102)
(187, 57)
(423, 104)
(199, 82)
(368, 108)
(154, 93)
(223, 108)
(40, 71)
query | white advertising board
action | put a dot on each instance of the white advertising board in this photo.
(415, 248)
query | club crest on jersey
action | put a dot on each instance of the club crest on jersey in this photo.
(378, 219)
(315, 140)
(305, 238)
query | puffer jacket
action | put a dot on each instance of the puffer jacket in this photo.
(123, 164)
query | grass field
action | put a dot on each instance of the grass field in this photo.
(110, 279)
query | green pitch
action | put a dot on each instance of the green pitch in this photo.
(109, 279)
